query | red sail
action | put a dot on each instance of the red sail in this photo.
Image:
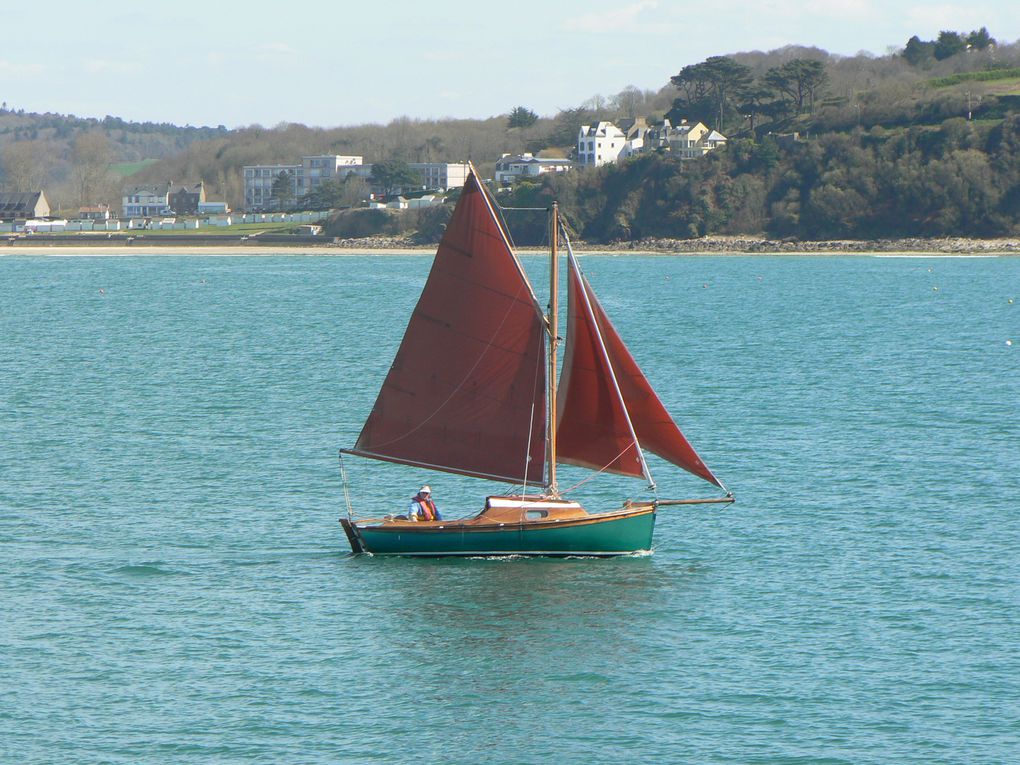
(593, 428)
(466, 392)
(589, 431)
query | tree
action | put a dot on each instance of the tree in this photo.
(90, 163)
(919, 52)
(392, 175)
(629, 100)
(979, 39)
(521, 117)
(799, 80)
(757, 100)
(948, 44)
(283, 190)
(334, 193)
(27, 165)
(719, 80)
(567, 124)
(325, 196)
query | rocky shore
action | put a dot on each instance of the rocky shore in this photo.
(709, 245)
(736, 244)
(740, 244)
(380, 243)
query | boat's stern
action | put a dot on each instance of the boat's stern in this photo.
(357, 546)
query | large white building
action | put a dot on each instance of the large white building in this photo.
(441, 175)
(302, 178)
(599, 144)
(305, 177)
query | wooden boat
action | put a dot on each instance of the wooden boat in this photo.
(473, 390)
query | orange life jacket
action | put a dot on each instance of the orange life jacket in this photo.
(428, 507)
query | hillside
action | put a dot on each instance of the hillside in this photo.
(37, 150)
(873, 133)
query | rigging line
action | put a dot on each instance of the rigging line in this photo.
(531, 427)
(603, 469)
(492, 206)
(347, 494)
(498, 210)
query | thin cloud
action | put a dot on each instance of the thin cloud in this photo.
(107, 66)
(16, 68)
(276, 49)
(842, 9)
(619, 20)
(443, 56)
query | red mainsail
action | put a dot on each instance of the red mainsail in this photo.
(605, 403)
(466, 392)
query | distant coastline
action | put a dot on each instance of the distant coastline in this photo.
(710, 245)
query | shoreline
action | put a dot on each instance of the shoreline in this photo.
(710, 245)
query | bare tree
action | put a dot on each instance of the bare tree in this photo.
(27, 165)
(90, 163)
(629, 100)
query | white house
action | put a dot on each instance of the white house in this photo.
(146, 201)
(510, 167)
(599, 144)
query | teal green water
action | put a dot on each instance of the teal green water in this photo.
(175, 587)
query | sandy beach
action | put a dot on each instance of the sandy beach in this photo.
(176, 250)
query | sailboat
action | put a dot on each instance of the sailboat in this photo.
(472, 390)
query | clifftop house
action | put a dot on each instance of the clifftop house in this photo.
(606, 142)
(599, 144)
(510, 167)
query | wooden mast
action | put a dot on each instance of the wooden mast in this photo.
(554, 283)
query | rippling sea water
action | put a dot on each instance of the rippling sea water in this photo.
(175, 587)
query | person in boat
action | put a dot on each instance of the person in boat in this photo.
(422, 507)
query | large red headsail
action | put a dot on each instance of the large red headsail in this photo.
(595, 430)
(466, 392)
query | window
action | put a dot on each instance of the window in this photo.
(534, 515)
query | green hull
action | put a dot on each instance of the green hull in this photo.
(609, 535)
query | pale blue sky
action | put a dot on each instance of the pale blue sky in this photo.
(336, 63)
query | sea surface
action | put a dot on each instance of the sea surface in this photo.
(175, 588)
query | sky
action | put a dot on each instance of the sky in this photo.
(328, 63)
